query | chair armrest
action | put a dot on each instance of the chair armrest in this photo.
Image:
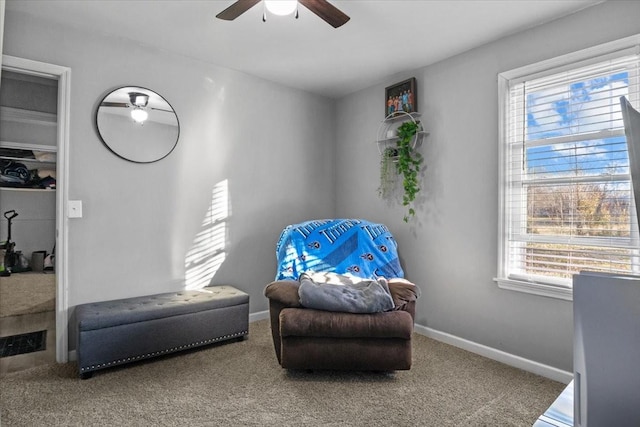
(281, 294)
(404, 294)
(403, 291)
(284, 292)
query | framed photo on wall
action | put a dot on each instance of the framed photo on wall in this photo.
(401, 98)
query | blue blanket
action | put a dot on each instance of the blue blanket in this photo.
(343, 246)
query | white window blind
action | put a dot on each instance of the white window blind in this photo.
(567, 203)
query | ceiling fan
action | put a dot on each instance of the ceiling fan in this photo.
(138, 102)
(135, 100)
(329, 13)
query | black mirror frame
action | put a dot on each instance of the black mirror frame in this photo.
(97, 110)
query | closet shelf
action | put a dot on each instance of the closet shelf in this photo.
(32, 156)
(28, 116)
(28, 189)
(26, 146)
(28, 162)
(29, 154)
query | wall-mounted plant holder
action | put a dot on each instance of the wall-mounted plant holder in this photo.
(399, 135)
(387, 135)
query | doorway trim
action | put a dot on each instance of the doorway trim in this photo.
(63, 76)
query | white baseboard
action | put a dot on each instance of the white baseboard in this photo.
(261, 315)
(498, 355)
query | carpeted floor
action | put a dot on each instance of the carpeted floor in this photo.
(27, 293)
(241, 384)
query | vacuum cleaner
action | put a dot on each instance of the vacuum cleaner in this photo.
(10, 259)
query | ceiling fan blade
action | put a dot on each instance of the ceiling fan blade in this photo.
(325, 10)
(236, 9)
(114, 104)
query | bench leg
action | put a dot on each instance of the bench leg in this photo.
(86, 375)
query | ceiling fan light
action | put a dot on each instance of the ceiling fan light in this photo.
(139, 115)
(281, 7)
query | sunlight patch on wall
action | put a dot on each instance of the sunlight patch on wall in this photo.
(207, 252)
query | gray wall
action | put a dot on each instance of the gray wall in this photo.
(141, 221)
(450, 251)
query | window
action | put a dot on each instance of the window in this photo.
(566, 200)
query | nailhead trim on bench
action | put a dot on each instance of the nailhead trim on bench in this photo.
(158, 353)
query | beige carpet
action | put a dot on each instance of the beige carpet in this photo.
(241, 384)
(27, 293)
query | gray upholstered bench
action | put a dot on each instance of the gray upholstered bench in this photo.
(116, 332)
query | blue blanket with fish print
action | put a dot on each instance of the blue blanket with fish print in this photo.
(344, 246)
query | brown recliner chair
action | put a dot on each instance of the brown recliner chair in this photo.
(306, 338)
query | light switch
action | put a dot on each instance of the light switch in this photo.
(75, 209)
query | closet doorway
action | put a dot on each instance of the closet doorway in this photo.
(34, 111)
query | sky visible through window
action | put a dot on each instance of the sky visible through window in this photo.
(576, 174)
(580, 108)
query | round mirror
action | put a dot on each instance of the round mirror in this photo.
(137, 124)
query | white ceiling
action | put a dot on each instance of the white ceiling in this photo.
(383, 37)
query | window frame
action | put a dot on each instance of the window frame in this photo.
(550, 288)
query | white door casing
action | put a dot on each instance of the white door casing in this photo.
(63, 76)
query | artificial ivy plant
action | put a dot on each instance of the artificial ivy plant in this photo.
(407, 161)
